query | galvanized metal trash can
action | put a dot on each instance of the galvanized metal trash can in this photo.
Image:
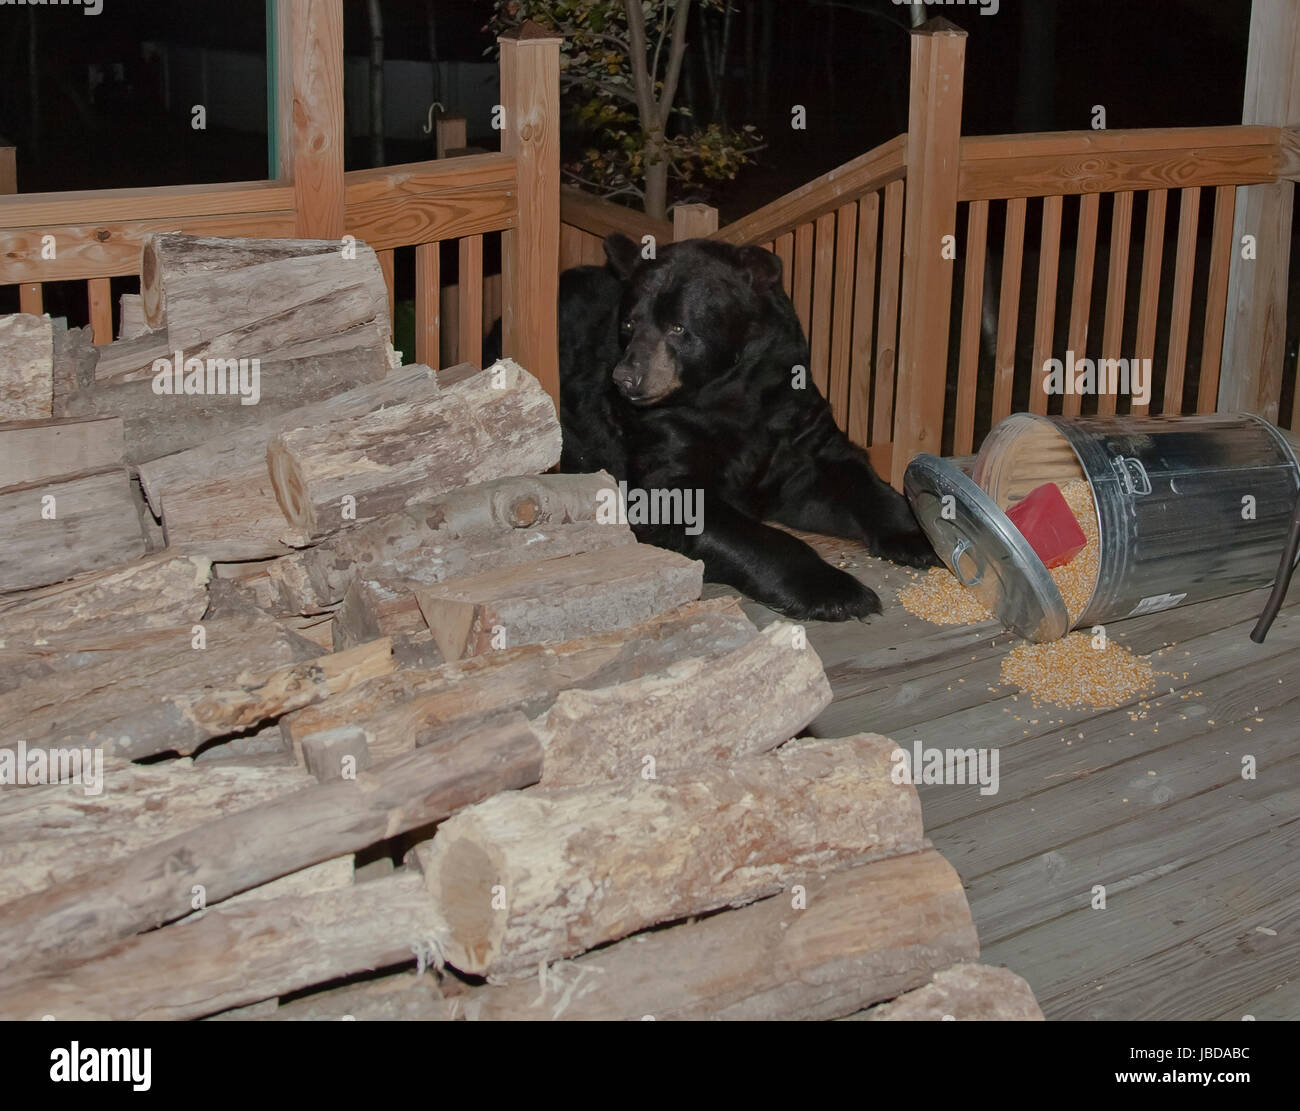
(1188, 509)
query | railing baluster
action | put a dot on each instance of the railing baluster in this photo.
(99, 295)
(30, 298)
(846, 237)
(1085, 256)
(1112, 336)
(1180, 320)
(386, 266)
(1149, 297)
(1222, 248)
(1013, 257)
(428, 308)
(823, 275)
(785, 252)
(470, 306)
(803, 262)
(864, 304)
(972, 312)
(891, 255)
(1049, 258)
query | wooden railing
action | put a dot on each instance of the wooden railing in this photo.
(872, 250)
(97, 236)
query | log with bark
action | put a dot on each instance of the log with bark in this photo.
(963, 993)
(557, 599)
(503, 522)
(401, 997)
(235, 956)
(571, 868)
(75, 360)
(254, 846)
(41, 451)
(499, 422)
(52, 834)
(418, 706)
(151, 593)
(26, 367)
(129, 360)
(255, 296)
(158, 424)
(167, 691)
(698, 711)
(216, 499)
(843, 941)
(55, 530)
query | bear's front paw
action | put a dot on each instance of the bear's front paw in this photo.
(827, 594)
(911, 549)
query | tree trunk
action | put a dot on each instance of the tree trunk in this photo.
(376, 18)
(656, 185)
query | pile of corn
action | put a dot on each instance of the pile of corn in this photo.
(1066, 672)
(1071, 672)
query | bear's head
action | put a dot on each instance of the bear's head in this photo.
(697, 315)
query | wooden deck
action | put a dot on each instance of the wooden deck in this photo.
(1201, 866)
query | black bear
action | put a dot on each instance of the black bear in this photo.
(680, 373)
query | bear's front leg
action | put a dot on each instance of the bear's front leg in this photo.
(837, 492)
(768, 565)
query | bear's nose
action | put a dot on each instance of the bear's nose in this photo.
(628, 379)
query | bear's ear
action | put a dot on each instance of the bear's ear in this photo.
(622, 253)
(762, 267)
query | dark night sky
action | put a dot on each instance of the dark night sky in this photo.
(1178, 62)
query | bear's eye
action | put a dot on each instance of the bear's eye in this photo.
(677, 329)
(627, 325)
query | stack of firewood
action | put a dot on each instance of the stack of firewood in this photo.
(406, 703)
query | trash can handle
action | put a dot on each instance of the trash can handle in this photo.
(1132, 475)
(963, 546)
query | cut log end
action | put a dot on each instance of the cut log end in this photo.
(463, 887)
(151, 293)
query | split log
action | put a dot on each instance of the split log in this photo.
(418, 706)
(328, 875)
(56, 530)
(499, 422)
(858, 935)
(216, 499)
(168, 691)
(41, 451)
(580, 866)
(699, 711)
(557, 599)
(158, 424)
(52, 834)
(479, 528)
(131, 321)
(373, 609)
(252, 847)
(151, 593)
(129, 360)
(26, 367)
(75, 360)
(252, 296)
(963, 993)
(236, 956)
(336, 753)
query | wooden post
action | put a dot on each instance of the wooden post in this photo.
(692, 221)
(530, 251)
(933, 160)
(450, 134)
(8, 168)
(1255, 329)
(309, 117)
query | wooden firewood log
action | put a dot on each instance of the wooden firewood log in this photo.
(499, 422)
(838, 943)
(534, 876)
(253, 846)
(504, 522)
(42, 451)
(26, 367)
(963, 993)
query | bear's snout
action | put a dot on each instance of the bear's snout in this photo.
(647, 372)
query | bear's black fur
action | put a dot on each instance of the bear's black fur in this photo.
(679, 373)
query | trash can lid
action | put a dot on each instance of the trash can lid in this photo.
(984, 550)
